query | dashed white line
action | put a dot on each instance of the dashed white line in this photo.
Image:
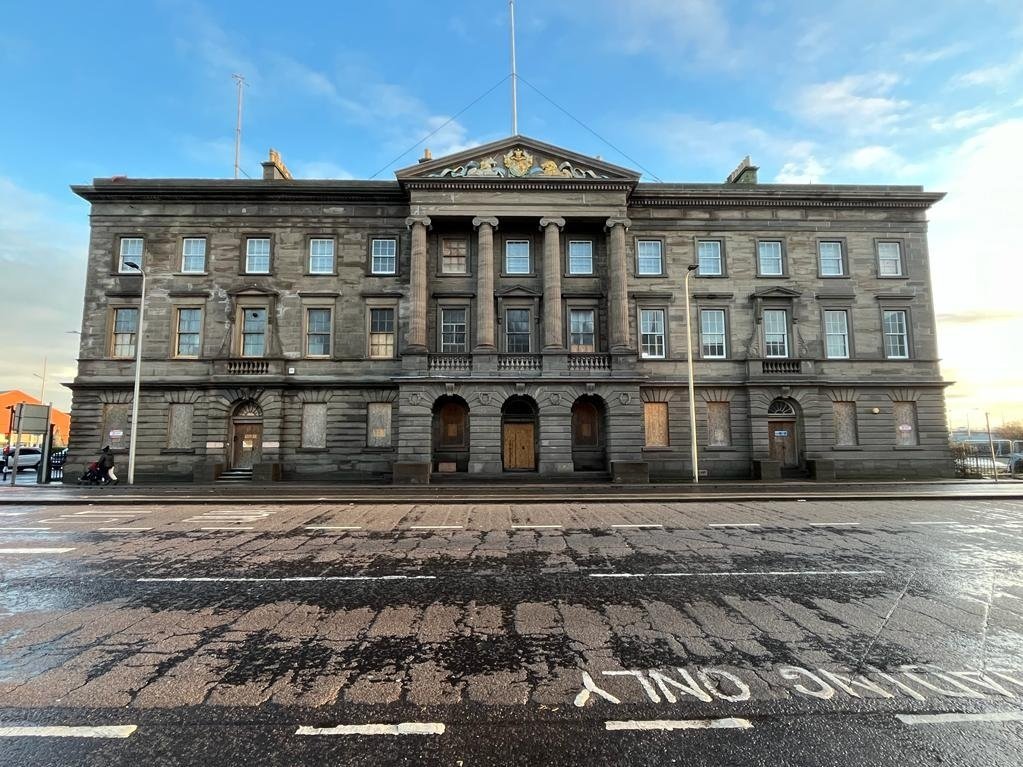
(728, 723)
(123, 529)
(332, 527)
(536, 527)
(13, 513)
(225, 528)
(35, 551)
(436, 527)
(938, 522)
(734, 524)
(112, 731)
(24, 529)
(994, 716)
(289, 579)
(737, 574)
(834, 524)
(640, 526)
(404, 728)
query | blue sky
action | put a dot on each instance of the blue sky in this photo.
(840, 92)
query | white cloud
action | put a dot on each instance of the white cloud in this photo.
(855, 103)
(676, 31)
(808, 170)
(880, 160)
(966, 118)
(996, 75)
(931, 55)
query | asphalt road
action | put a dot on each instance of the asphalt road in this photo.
(590, 633)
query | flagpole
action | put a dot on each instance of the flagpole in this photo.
(514, 74)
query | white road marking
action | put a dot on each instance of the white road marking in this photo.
(123, 529)
(113, 731)
(739, 574)
(436, 527)
(939, 522)
(225, 528)
(35, 551)
(734, 524)
(634, 526)
(834, 524)
(404, 728)
(13, 513)
(731, 722)
(995, 716)
(535, 527)
(24, 529)
(81, 522)
(290, 579)
(331, 527)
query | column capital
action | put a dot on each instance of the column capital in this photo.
(480, 220)
(614, 221)
(552, 221)
(413, 220)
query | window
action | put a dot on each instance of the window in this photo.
(905, 424)
(769, 258)
(719, 424)
(582, 337)
(378, 424)
(648, 257)
(454, 255)
(317, 332)
(708, 254)
(516, 332)
(651, 330)
(257, 255)
(889, 259)
(580, 257)
(516, 257)
(314, 425)
(116, 425)
(896, 336)
(830, 254)
(179, 426)
(776, 333)
(845, 424)
(453, 327)
(189, 329)
(384, 255)
(712, 334)
(655, 424)
(836, 334)
(321, 256)
(126, 325)
(131, 250)
(193, 255)
(253, 332)
(381, 333)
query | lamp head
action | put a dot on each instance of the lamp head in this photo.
(692, 267)
(133, 265)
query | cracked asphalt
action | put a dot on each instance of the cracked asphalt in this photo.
(759, 632)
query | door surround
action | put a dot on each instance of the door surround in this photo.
(520, 432)
(246, 444)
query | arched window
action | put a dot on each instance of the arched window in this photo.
(781, 407)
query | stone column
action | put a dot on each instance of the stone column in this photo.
(485, 284)
(416, 339)
(618, 288)
(553, 328)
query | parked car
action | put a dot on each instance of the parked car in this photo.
(1016, 463)
(28, 458)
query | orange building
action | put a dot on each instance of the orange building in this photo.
(12, 397)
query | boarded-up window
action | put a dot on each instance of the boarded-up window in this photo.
(314, 424)
(179, 426)
(719, 424)
(378, 424)
(116, 426)
(905, 423)
(845, 423)
(655, 421)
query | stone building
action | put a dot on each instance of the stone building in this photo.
(513, 308)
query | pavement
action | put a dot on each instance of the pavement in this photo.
(595, 631)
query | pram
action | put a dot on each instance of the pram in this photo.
(92, 475)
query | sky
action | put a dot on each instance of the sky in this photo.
(848, 91)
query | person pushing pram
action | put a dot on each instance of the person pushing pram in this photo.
(101, 471)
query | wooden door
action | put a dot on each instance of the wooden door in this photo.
(587, 437)
(781, 437)
(519, 451)
(248, 438)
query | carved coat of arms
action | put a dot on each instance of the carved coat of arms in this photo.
(518, 162)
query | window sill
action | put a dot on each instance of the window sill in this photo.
(846, 448)
(772, 276)
(723, 449)
(834, 276)
(908, 447)
(518, 275)
(378, 450)
(255, 274)
(571, 275)
(311, 450)
(320, 274)
(711, 276)
(381, 274)
(893, 276)
(638, 276)
(190, 274)
(664, 449)
(178, 451)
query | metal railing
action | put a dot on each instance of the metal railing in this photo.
(974, 460)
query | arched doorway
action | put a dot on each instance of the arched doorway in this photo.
(246, 435)
(783, 438)
(450, 434)
(589, 446)
(519, 434)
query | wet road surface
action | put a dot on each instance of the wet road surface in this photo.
(760, 632)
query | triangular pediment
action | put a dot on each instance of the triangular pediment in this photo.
(518, 290)
(775, 292)
(517, 158)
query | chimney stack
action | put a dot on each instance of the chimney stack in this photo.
(427, 155)
(744, 173)
(274, 169)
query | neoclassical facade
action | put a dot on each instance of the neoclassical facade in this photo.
(515, 308)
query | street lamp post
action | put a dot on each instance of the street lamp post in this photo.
(689, 363)
(138, 374)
